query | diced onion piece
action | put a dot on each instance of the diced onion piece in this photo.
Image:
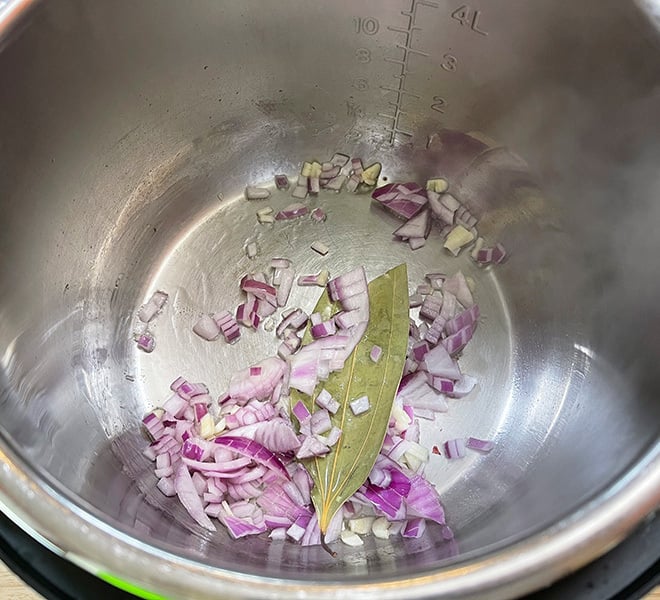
(415, 528)
(314, 185)
(256, 193)
(284, 289)
(292, 211)
(320, 422)
(280, 263)
(300, 192)
(228, 326)
(415, 300)
(325, 400)
(336, 183)
(416, 243)
(320, 247)
(207, 328)
(281, 182)
(146, 342)
(431, 307)
(339, 159)
(375, 353)
(318, 215)
(311, 447)
(356, 166)
(360, 405)
(455, 448)
(321, 279)
(418, 226)
(458, 238)
(353, 183)
(251, 250)
(478, 245)
(479, 445)
(457, 284)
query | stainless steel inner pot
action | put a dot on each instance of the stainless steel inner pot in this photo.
(128, 132)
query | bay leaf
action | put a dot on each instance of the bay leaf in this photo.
(339, 474)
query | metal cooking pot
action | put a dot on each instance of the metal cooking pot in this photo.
(127, 134)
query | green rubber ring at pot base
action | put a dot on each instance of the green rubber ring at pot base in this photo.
(129, 587)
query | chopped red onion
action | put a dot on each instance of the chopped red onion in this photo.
(419, 350)
(449, 307)
(418, 226)
(228, 326)
(256, 193)
(414, 528)
(441, 384)
(259, 289)
(463, 386)
(360, 405)
(431, 307)
(339, 160)
(207, 328)
(251, 250)
(479, 445)
(424, 501)
(415, 300)
(154, 426)
(320, 247)
(499, 253)
(153, 306)
(469, 316)
(300, 192)
(455, 448)
(301, 412)
(324, 329)
(320, 279)
(356, 166)
(254, 450)
(318, 215)
(332, 438)
(457, 341)
(375, 353)
(326, 401)
(166, 486)
(311, 447)
(417, 393)
(292, 322)
(189, 497)
(320, 422)
(424, 289)
(353, 183)
(146, 342)
(457, 285)
(438, 362)
(281, 182)
(416, 243)
(243, 386)
(188, 390)
(280, 263)
(284, 289)
(314, 185)
(336, 183)
(293, 211)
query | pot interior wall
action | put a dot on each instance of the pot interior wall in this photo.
(127, 134)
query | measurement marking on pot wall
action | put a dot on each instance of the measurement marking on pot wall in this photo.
(399, 88)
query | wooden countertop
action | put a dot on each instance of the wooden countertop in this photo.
(13, 588)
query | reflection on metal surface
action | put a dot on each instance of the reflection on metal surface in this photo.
(125, 173)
